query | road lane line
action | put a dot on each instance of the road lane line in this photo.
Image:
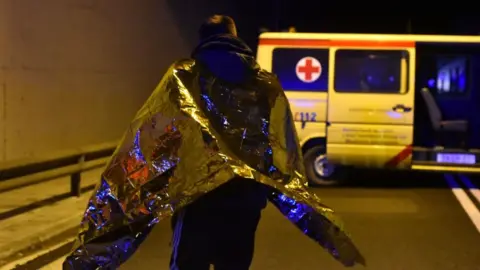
(471, 187)
(468, 206)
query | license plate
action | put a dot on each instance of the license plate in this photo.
(467, 159)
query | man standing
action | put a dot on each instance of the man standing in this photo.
(219, 228)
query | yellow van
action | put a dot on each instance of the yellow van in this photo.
(381, 101)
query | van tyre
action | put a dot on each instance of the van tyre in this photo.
(317, 168)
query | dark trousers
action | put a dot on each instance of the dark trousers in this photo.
(209, 232)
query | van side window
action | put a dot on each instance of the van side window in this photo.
(301, 69)
(371, 71)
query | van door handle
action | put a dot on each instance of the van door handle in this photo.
(401, 108)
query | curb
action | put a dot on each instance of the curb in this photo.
(43, 237)
(45, 260)
(30, 245)
(24, 247)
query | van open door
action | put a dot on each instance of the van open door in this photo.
(371, 106)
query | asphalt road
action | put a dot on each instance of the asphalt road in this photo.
(400, 221)
(408, 221)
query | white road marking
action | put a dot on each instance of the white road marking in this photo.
(35, 255)
(468, 206)
(471, 187)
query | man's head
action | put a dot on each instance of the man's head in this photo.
(217, 25)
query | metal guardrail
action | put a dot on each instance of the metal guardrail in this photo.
(21, 173)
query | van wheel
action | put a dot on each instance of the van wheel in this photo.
(319, 171)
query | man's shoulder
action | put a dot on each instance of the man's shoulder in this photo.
(268, 77)
(185, 64)
(267, 73)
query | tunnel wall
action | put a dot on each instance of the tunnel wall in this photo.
(74, 72)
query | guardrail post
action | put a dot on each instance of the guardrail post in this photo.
(75, 179)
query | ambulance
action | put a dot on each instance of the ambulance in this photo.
(380, 101)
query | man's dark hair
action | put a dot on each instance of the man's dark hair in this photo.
(217, 25)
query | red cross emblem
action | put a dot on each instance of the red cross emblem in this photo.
(308, 69)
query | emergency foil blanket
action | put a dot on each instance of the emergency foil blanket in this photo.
(192, 135)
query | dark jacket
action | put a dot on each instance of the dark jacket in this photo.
(227, 57)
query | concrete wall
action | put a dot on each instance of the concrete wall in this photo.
(73, 72)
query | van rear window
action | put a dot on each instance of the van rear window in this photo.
(301, 69)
